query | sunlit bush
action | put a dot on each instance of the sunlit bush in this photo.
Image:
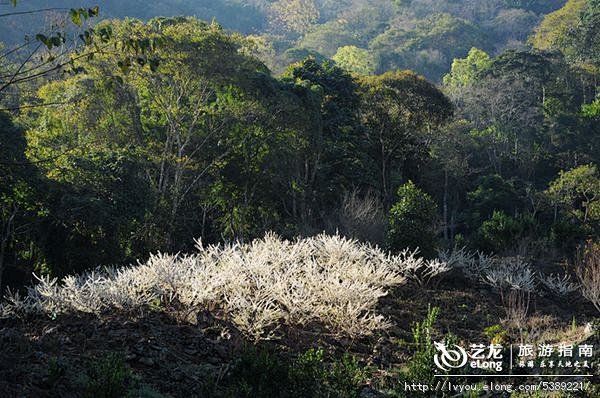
(559, 285)
(329, 280)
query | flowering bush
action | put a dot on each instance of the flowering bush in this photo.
(474, 266)
(511, 273)
(515, 281)
(559, 285)
(259, 286)
(420, 271)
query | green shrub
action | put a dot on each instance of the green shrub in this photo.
(411, 219)
(497, 334)
(107, 377)
(421, 366)
(306, 371)
(502, 232)
(346, 376)
(493, 193)
(567, 234)
(259, 373)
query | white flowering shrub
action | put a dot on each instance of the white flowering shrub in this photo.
(260, 286)
(474, 266)
(511, 273)
(559, 285)
(423, 273)
(515, 281)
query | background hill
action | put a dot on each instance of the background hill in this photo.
(422, 35)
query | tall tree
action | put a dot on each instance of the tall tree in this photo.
(398, 110)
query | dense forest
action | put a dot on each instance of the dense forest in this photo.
(371, 36)
(159, 132)
(448, 126)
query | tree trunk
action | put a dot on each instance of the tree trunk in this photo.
(6, 233)
(2, 250)
(445, 205)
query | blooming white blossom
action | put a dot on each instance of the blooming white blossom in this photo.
(512, 273)
(474, 266)
(259, 286)
(559, 285)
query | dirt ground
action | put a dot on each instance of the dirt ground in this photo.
(175, 356)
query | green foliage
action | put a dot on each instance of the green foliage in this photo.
(553, 31)
(493, 193)
(79, 15)
(346, 376)
(580, 185)
(497, 334)
(305, 370)
(20, 202)
(107, 377)
(124, 185)
(258, 373)
(145, 158)
(591, 110)
(567, 234)
(418, 34)
(421, 366)
(573, 30)
(173, 130)
(431, 47)
(577, 193)
(502, 232)
(295, 16)
(398, 111)
(411, 221)
(295, 55)
(465, 71)
(246, 17)
(513, 25)
(329, 146)
(355, 60)
(538, 6)
(329, 37)
(587, 33)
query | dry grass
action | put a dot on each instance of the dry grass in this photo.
(545, 329)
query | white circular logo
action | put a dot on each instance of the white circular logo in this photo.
(446, 359)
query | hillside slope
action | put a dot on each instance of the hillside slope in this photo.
(421, 35)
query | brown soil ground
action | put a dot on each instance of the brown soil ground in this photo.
(174, 356)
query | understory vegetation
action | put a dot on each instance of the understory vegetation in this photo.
(171, 131)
